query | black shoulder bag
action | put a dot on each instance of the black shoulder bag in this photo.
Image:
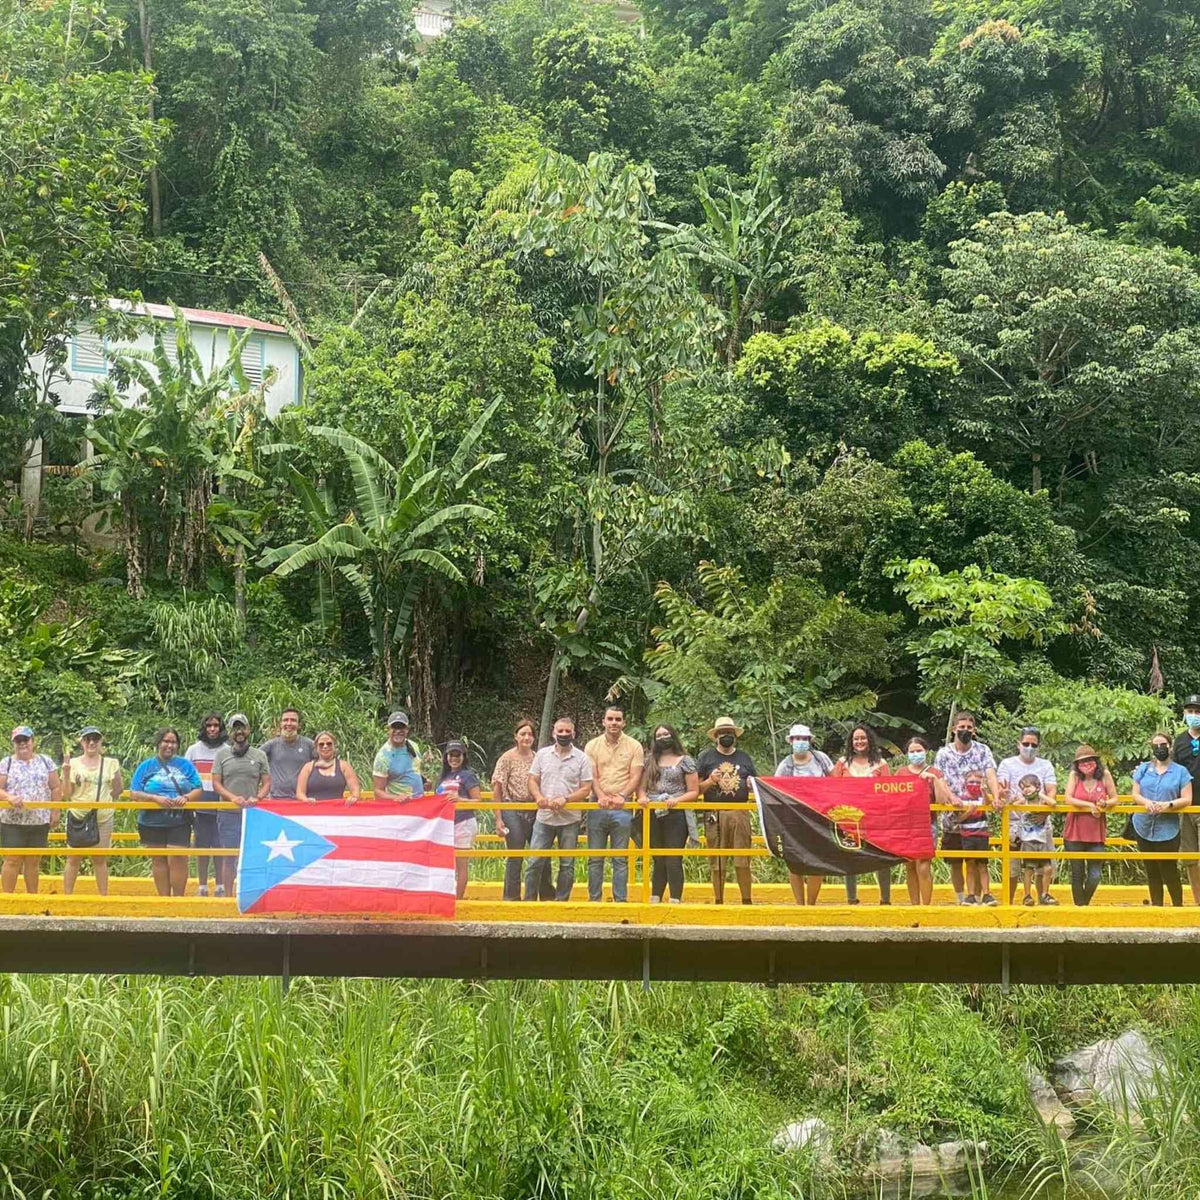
(85, 831)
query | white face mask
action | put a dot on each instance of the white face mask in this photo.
(1028, 753)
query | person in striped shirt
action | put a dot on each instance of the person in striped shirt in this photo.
(201, 754)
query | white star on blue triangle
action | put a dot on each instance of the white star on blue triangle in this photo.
(262, 866)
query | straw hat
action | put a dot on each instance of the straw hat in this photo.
(724, 725)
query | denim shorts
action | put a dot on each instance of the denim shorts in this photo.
(229, 830)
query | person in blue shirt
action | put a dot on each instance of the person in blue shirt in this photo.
(169, 781)
(458, 776)
(1186, 752)
(1162, 787)
(397, 767)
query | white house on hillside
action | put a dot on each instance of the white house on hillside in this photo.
(89, 354)
(268, 346)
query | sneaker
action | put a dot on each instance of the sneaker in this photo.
(989, 900)
(970, 900)
(1048, 899)
(655, 899)
(202, 890)
(672, 900)
(220, 890)
(1029, 902)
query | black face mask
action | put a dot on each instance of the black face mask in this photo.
(1162, 753)
(964, 735)
(663, 743)
(726, 740)
(563, 739)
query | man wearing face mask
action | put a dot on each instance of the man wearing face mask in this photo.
(724, 773)
(560, 774)
(1009, 773)
(1186, 752)
(804, 760)
(962, 755)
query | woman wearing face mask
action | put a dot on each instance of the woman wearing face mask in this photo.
(919, 871)
(804, 760)
(864, 762)
(1090, 793)
(669, 778)
(1162, 787)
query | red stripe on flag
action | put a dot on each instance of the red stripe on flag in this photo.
(364, 849)
(426, 807)
(284, 898)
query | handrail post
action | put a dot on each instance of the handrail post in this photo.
(1005, 852)
(645, 853)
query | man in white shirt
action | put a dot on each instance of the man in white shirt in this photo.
(560, 774)
(1027, 761)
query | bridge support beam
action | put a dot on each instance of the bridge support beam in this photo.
(574, 950)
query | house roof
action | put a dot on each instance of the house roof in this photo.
(199, 316)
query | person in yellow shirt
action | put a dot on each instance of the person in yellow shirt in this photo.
(93, 777)
(617, 763)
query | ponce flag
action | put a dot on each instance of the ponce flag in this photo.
(372, 857)
(846, 826)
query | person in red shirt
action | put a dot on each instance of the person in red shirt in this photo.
(1090, 793)
(864, 761)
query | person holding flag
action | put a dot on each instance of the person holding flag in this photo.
(804, 761)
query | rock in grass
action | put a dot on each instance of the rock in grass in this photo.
(918, 1169)
(811, 1134)
(1117, 1072)
(1049, 1107)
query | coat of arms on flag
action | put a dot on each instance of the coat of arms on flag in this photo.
(372, 857)
(844, 826)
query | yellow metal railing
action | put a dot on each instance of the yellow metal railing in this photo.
(1004, 851)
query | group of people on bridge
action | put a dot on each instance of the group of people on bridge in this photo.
(618, 775)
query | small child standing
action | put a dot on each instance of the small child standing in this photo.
(1031, 832)
(974, 827)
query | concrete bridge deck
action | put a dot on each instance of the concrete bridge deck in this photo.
(770, 944)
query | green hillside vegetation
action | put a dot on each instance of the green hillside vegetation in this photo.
(796, 291)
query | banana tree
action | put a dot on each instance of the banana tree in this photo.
(741, 246)
(397, 532)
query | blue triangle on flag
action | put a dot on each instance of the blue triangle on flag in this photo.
(273, 849)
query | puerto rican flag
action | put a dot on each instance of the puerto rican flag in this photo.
(330, 857)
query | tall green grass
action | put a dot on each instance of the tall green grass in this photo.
(113, 1088)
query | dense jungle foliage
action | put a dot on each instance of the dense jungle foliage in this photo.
(790, 359)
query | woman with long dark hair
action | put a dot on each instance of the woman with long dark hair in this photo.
(669, 779)
(510, 781)
(864, 761)
(201, 754)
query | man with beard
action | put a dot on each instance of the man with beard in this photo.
(241, 775)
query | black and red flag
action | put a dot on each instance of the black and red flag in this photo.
(845, 826)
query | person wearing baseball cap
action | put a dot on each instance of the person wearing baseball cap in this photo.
(91, 776)
(397, 767)
(28, 782)
(804, 760)
(241, 775)
(458, 778)
(1186, 752)
(724, 773)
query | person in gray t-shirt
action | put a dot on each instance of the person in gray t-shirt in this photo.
(242, 776)
(286, 755)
